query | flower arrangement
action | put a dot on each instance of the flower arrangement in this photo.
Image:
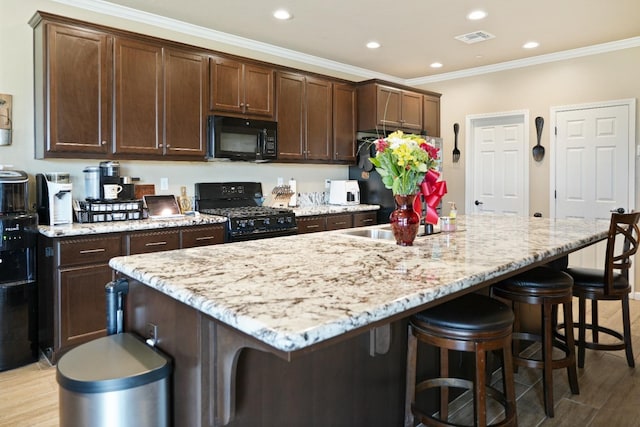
(403, 160)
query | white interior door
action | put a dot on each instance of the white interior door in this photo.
(594, 166)
(497, 179)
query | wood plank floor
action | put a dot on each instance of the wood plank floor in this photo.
(609, 390)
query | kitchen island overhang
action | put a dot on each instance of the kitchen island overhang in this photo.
(294, 295)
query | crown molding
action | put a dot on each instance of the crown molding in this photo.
(106, 8)
(135, 15)
(527, 62)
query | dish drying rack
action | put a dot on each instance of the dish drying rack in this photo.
(281, 196)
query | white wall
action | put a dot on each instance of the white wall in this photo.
(16, 79)
(589, 79)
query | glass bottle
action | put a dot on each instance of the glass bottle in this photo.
(184, 200)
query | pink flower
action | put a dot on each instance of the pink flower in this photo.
(381, 145)
(433, 151)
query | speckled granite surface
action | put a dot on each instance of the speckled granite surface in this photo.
(77, 229)
(292, 292)
(331, 209)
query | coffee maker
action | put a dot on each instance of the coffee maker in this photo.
(109, 174)
(54, 199)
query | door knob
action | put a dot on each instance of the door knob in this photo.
(619, 210)
(478, 203)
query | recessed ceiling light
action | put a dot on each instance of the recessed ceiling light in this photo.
(530, 45)
(476, 15)
(282, 14)
(436, 65)
(373, 45)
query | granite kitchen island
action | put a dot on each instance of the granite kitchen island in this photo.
(309, 330)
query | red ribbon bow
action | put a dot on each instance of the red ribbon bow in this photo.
(432, 191)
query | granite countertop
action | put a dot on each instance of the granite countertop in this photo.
(292, 292)
(78, 229)
(331, 209)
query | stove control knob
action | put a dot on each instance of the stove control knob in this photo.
(250, 223)
(267, 221)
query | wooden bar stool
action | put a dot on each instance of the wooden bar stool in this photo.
(610, 283)
(547, 288)
(473, 323)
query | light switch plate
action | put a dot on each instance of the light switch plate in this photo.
(164, 183)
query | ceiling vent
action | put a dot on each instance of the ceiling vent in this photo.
(475, 37)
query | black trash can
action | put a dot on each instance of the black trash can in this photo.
(117, 380)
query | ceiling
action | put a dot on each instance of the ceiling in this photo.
(413, 33)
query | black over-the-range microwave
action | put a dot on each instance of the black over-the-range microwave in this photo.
(241, 139)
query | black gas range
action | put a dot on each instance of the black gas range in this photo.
(241, 203)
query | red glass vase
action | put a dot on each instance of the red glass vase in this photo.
(405, 221)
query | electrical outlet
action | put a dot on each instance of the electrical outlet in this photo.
(327, 183)
(164, 183)
(152, 332)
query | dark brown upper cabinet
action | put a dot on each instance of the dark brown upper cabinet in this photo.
(138, 97)
(239, 88)
(72, 91)
(185, 86)
(431, 115)
(344, 122)
(386, 108)
(305, 123)
(103, 94)
(160, 99)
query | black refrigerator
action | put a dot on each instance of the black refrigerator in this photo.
(372, 190)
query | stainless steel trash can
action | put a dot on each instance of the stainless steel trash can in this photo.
(116, 380)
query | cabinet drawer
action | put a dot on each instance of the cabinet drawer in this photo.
(141, 243)
(201, 236)
(336, 222)
(363, 219)
(310, 224)
(88, 250)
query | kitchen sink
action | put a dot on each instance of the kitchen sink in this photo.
(373, 233)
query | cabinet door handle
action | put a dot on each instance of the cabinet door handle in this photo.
(367, 220)
(205, 238)
(155, 244)
(104, 143)
(313, 226)
(92, 251)
(340, 223)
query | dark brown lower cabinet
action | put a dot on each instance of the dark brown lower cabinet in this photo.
(82, 303)
(312, 224)
(72, 273)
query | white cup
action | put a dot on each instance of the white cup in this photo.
(111, 191)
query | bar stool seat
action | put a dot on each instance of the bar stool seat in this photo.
(547, 288)
(472, 323)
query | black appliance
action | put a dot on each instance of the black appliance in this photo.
(18, 289)
(109, 174)
(241, 139)
(372, 190)
(241, 203)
